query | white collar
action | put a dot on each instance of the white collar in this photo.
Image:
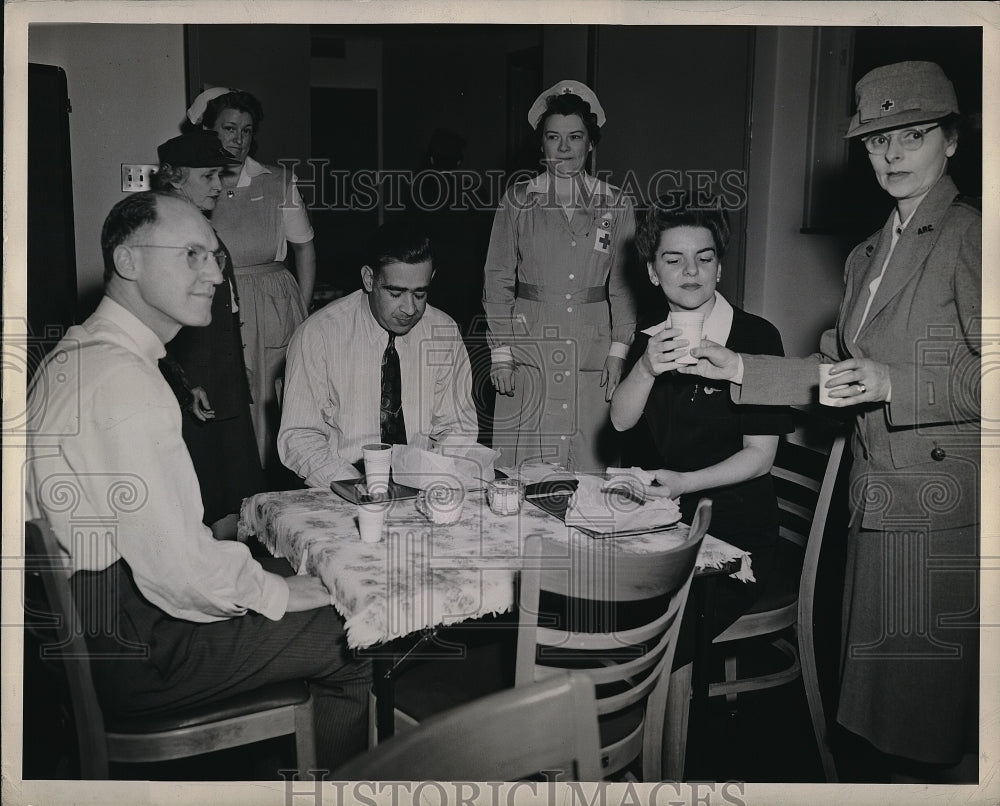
(250, 169)
(146, 341)
(378, 334)
(717, 325)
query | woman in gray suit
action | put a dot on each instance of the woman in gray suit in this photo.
(905, 357)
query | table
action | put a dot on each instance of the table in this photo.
(421, 575)
(424, 575)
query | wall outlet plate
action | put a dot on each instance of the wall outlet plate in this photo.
(137, 177)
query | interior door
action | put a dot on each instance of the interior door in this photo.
(52, 292)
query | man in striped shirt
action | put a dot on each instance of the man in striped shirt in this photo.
(341, 363)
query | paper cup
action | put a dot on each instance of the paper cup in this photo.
(824, 376)
(378, 460)
(690, 324)
(371, 520)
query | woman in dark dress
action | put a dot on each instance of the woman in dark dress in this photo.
(205, 364)
(705, 444)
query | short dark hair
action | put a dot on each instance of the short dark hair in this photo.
(569, 103)
(130, 214)
(397, 242)
(953, 126)
(666, 213)
(240, 101)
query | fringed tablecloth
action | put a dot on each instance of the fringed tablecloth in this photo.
(422, 575)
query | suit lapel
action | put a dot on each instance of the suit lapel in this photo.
(857, 296)
(914, 245)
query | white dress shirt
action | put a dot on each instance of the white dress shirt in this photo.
(332, 387)
(108, 469)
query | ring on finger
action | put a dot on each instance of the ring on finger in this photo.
(861, 387)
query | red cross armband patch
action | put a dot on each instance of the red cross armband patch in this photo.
(602, 238)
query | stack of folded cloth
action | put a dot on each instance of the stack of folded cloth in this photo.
(619, 505)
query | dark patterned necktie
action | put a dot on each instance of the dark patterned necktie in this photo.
(391, 407)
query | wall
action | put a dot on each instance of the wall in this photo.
(270, 61)
(126, 88)
(449, 77)
(792, 279)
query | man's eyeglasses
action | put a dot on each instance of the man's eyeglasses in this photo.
(910, 139)
(196, 255)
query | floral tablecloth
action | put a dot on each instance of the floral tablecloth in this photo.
(420, 574)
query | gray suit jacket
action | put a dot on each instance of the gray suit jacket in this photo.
(916, 458)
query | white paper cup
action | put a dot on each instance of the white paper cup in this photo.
(824, 393)
(371, 521)
(378, 460)
(690, 324)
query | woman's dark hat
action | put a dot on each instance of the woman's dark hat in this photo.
(900, 94)
(199, 149)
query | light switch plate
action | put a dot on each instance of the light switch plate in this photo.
(137, 177)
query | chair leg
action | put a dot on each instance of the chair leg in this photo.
(676, 728)
(653, 741)
(810, 681)
(372, 721)
(730, 678)
(305, 740)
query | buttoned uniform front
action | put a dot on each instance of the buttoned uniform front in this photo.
(108, 469)
(257, 219)
(555, 291)
(332, 387)
(916, 469)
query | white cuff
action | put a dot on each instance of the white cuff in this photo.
(618, 349)
(738, 378)
(501, 355)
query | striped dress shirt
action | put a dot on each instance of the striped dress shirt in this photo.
(332, 387)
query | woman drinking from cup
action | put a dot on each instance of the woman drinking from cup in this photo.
(555, 294)
(706, 444)
(905, 358)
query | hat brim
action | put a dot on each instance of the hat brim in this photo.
(890, 122)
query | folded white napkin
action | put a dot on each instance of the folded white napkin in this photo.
(644, 477)
(597, 507)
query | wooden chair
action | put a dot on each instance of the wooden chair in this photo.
(630, 667)
(549, 727)
(276, 710)
(805, 473)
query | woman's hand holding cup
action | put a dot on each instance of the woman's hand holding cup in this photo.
(664, 351)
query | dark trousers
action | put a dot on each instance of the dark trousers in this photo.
(145, 661)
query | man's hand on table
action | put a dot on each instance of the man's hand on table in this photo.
(306, 593)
